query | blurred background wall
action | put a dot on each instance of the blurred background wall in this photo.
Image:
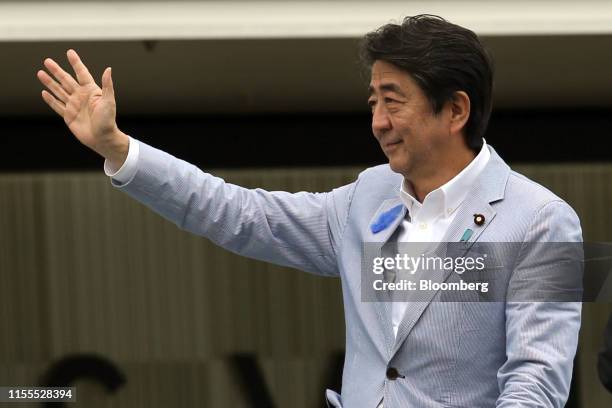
(264, 94)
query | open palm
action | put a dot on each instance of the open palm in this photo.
(88, 110)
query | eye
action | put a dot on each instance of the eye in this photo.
(390, 100)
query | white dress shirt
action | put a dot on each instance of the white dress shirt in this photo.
(429, 220)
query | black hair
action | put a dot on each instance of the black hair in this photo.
(442, 58)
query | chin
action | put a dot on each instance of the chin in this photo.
(397, 167)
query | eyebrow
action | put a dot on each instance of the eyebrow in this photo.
(387, 87)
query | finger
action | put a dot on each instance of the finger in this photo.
(108, 91)
(56, 105)
(64, 78)
(52, 85)
(81, 71)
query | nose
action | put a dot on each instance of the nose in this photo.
(380, 120)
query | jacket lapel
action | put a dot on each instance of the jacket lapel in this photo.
(381, 228)
(489, 188)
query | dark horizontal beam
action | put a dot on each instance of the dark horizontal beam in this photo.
(44, 143)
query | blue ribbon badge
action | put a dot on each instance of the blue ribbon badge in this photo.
(385, 219)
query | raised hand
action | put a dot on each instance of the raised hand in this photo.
(88, 110)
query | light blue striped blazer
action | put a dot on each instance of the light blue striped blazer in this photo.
(448, 354)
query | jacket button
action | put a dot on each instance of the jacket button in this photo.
(393, 374)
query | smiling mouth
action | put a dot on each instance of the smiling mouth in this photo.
(392, 144)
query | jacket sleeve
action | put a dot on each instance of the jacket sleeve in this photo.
(300, 230)
(542, 335)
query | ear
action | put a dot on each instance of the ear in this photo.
(459, 111)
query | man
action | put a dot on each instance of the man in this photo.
(430, 95)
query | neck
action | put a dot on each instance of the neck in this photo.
(426, 183)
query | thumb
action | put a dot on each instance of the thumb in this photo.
(108, 91)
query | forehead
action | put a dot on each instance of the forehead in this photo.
(386, 76)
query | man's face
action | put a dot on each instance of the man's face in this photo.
(403, 122)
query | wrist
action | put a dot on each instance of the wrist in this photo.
(117, 148)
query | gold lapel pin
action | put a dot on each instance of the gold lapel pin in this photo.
(479, 219)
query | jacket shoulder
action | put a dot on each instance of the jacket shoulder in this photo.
(532, 201)
(381, 176)
(521, 187)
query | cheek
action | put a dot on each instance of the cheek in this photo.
(416, 131)
(408, 132)
(405, 123)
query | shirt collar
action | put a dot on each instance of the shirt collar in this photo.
(444, 200)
